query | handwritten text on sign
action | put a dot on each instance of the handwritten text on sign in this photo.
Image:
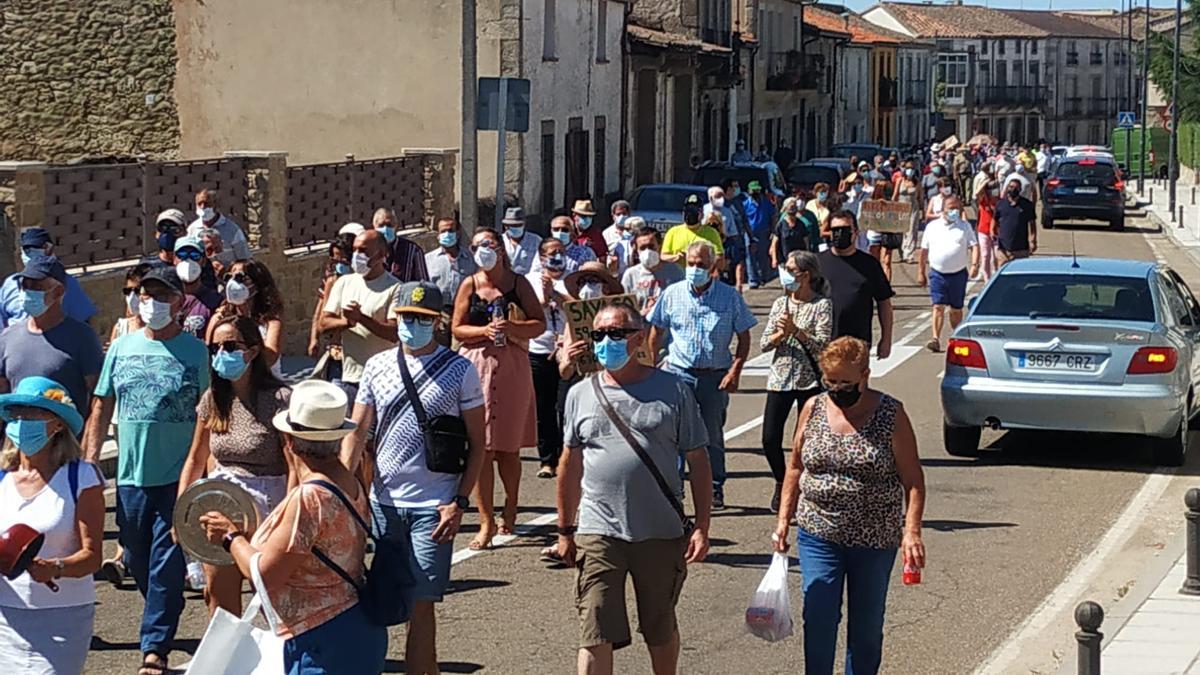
(881, 215)
(581, 314)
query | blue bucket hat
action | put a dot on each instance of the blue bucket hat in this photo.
(44, 393)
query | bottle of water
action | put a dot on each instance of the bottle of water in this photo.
(195, 575)
(498, 315)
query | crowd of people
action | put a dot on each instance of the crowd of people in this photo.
(436, 369)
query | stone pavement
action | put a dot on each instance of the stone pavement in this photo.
(1160, 635)
(1186, 232)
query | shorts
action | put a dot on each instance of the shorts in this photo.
(735, 250)
(891, 240)
(426, 575)
(948, 289)
(1009, 256)
(658, 572)
(267, 491)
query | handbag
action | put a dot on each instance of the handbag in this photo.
(234, 645)
(381, 597)
(446, 448)
(623, 429)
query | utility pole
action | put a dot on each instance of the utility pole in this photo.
(468, 178)
(1173, 157)
(1145, 97)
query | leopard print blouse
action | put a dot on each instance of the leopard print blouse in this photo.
(850, 490)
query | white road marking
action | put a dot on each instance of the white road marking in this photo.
(1076, 580)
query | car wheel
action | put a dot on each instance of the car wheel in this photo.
(1117, 224)
(961, 441)
(1171, 451)
(1047, 223)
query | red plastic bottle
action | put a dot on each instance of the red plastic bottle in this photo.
(912, 575)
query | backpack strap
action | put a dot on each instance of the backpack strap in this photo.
(73, 480)
(325, 559)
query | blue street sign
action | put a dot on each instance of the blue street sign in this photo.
(514, 100)
(1126, 120)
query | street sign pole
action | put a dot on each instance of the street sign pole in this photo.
(501, 142)
(1145, 91)
(1173, 158)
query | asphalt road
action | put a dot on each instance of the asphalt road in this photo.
(1001, 530)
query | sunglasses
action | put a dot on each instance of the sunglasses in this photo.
(240, 277)
(127, 291)
(190, 254)
(420, 320)
(599, 334)
(228, 346)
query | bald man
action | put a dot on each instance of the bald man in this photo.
(359, 308)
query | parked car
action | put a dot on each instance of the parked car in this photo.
(1091, 345)
(865, 151)
(661, 204)
(1084, 187)
(802, 177)
(766, 173)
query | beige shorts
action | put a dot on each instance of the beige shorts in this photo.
(658, 572)
(1009, 256)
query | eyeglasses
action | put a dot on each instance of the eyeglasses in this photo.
(190, 254)
(129, 289)
(229, 346)
(167, 226)
(590, 280)
(486, 243)
(599, 334)
(418, 319)
(240, 277)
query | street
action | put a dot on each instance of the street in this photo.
(1003, 531)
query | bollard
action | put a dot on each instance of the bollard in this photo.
(1191, 584)
(1089, 616)
(1193, 196)
(1151, 194)
(1181, 215)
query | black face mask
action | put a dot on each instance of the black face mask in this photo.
(691, 216)
(845, 398)
(843, 237)
(1014, 192)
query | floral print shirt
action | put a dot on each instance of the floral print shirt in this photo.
(791, 369)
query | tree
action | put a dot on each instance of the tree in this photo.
(1162, 51)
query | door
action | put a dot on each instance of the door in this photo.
(576, 184)
(645, 141)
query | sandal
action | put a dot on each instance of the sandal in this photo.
(158, 666)
(550, 556)
(482, 541)
(545, 472)
(113, 571)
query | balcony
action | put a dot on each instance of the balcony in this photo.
(716, 36)
(787, 73)
(1096, 59)
(1072, 58)
(1026, 95)
(1073, 105)
(887, 92)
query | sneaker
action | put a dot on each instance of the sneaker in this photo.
(776, 498)
(933, 345)
(718, 499)
(113, 571)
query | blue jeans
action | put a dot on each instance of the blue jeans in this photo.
(864, 572)
(410, 531)
(347, 644)
(155, 561)
(706, 385)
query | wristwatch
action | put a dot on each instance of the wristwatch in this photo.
(462, 502)
(59, 567)
(227, 541)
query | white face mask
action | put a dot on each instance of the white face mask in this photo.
(591, 290)
(946, 191)
(206, 214)
(236, 292)
(485, 258)
(360, 262)
(718, 202)
(188, 270)
(132, 301)
(155, 314)
(650, 257)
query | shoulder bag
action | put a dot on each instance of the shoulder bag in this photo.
(812, 362)
(627, 434)
(446, 447)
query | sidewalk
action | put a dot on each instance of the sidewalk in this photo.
(1186, 232)
(1160, 635)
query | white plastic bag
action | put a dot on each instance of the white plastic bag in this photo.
(235, 646)
(770, 613)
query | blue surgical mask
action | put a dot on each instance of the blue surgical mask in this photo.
(26, 256)
(562, 235)
(698, 277)
(556, 262)
(413, 334)
(388, 232)
(952, 215)
(229, 365)
(29, 436)
(516, 231)
(33, 302)
(342, 269)
(447, 239)
(585, 222)
(788, 281)
(611, 354)
(822, 196)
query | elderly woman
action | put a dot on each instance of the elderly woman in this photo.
(46, 613)
(496, 314)
(318, 609)
(855, 472)
(798, 328)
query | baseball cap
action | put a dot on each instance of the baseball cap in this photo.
(188, 242)
(44, 267)
(754, 185)
(35, 236)
(173, 216)
(352, 228)
(692, 200)
(165, 275)
(419, 297)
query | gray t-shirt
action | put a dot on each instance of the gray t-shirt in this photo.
(68, 354)
(620, 497)
(645, 284)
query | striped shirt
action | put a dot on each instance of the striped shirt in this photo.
(406, 260)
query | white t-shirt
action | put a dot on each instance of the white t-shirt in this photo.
(949, 245)
(1043, 161)
(447, 384)
(375, 298)
(556, 320)
(523, 254)
(51, 512)
(235, 246)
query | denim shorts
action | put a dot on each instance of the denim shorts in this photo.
(410, 530)
(948, 289)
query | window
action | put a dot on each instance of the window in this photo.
(601, 31)
(1017, 46)
(547, 167)
(1001, 45)
(1033, 44)
(983, 47)
(549, 31)
(1068, 296)
(600, 168)
(1097, 87)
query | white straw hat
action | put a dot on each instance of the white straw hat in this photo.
(316, 412)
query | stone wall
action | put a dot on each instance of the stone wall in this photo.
(87, 78)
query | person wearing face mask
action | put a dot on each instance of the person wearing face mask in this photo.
(680, 237)
(819, 204)
(647, 279)
(200, 301)
(157, 376)
(929, 182)
(341, 249)
(169, 226)
(760, 216)
(36, 242)
(854, 193)
(793, 232)
(417, 512)
(544, 351)
(1015, 225)
(857, 285)
(591, 281)
(449, 265)
(951, 250)
(621, 252)
(1026, 180)
(234, 439)
(131, 321)
(47, 612)
(562, 228)
(405, 259)
(592, 237)
(496, 314)
(614, 517)
(985, 206)
(520, 244)
(908, 190)
(856, 487)
(935, 204)
(703, 315)
(49, 343)
(614, 233)
(250, 290)
(236, 246)
(357, 310)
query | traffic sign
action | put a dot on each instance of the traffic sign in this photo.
(514, 98)
(1126, 120)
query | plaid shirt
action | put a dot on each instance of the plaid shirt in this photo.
(702, 326)
(406, 260)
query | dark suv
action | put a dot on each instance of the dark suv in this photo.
(1084, 187)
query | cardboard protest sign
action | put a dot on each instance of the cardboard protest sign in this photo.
(581, 313)
(882, 215)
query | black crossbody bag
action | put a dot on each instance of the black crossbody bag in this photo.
(623, 429)
(446, 447)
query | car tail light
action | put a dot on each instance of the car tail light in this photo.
(1118, 184)
(1053, 183)
(1087, 162)
(965, 353)
(1151, 360)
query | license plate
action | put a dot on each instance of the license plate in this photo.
(1087, 190)
(1053, 361)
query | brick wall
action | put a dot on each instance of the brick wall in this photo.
(87, 78)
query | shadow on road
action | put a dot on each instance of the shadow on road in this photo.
(468, 585)
(961, 525)
(1069, 450)
(102, 645)
(396, 666)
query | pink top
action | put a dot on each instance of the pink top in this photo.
(314, 593)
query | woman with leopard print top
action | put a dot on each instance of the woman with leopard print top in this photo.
(856, 477)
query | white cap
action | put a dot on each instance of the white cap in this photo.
(352, 228)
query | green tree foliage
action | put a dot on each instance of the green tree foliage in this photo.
(1161, 70)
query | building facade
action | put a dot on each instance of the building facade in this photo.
(852, 122)
(914, 96)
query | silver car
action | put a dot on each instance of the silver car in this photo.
(1076, 345)
(661, 204)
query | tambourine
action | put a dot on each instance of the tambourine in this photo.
(201, 497)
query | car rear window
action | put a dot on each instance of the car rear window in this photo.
(1068, 297)
(809, 175)
(665, 199)
(1086, 170)
(718, 176)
